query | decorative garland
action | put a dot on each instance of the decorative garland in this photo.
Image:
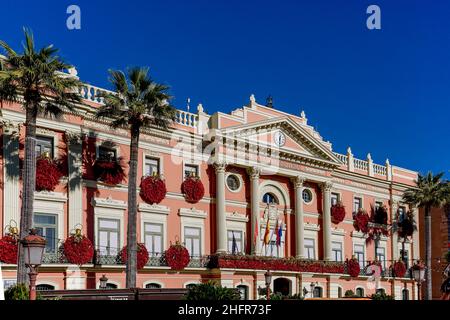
(361, 221)
(142, 255)
(337, 213)
(399, 269)
(353, 268)
(177, 256)
(153, 189)
(109, 171)
(269, 263)
(8, 249)
(378, 223)
(48, 174)
(78, 249)
(193, 189)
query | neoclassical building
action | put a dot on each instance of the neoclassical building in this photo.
(259, 166)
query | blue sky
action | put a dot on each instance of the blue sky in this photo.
(380, 91)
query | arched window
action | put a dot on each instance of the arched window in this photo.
(380, 291)
(360, 292)
(191, 285)
(45, 287)
(269, 198)
(152, 286)
(243, 291)
(405, 294)
(317, 293)
(339, 292)
(110, 285)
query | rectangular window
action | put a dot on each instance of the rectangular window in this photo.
(190, 170)
(108, 236)
(192, 239)
(44, 145)
(334, 198)
(153, 238)
(237, 240)
(404, 254)
(359, 254)
(107, 153)
(336, 248)
(401, 213)
(357, 204)
(378, 204)
(47, 227)
(381, 256)
(151, 166)
(310, 251)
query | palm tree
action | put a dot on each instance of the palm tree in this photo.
(37, 77)
(138, 102)
(431, 192)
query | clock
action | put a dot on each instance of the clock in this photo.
(279, 138)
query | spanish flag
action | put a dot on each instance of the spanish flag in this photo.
(267, 233)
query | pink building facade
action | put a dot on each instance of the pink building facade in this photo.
(256, 164)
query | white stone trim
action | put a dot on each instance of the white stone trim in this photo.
(48, 133)
(47, 282)
(194, 222)
(277, 189)
(313, 195)
(192, 212)
(154, 214)
(153, 281)
(53, 206)
(153, 155)
(241, 181)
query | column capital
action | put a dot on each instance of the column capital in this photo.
(73, 137)
(326, 186)
(220, 167)
(11, 127)
(298, 181)
(254, 172)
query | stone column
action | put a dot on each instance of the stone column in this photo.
(299, 218)
(326, 220)
(255, 199)
(416, 238)
(75, 193)
(11, 174)
(221, 221)
(395, 251)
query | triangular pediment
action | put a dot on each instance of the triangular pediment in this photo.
(286, 137)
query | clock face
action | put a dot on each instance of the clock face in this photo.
(279, 138)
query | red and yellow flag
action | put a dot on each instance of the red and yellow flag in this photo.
(267, 233)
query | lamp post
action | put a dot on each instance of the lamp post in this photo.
(33, 246)
(419, 276)
(103, 282)
(268, 277)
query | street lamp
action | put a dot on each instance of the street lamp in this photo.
(33, 246)
(268, 277)
(103, 282)
(419, 275)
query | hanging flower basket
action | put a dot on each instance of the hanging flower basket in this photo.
(48, 174)
(353, 268)
(337, 213)
(153, 189)
(379, 215)
(361, 221)
(193, 189)
(8, 249)
(78, 249)
(142, 255)
(407, 225)
(177, 256)
(109, 171)
(399, 269)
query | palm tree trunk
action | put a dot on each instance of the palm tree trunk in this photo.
(428, 290)
(29, 185)
(131, 267)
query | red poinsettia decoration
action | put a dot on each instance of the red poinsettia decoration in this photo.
(406, 225)
(142, 255)
(78, 249)
(337, 213)
(109, 171)
(361, 221)
(153, 189)
(177, 256)
(353, 268)
(48, 174)
(193, 189)
(8, 249)
(399, 269)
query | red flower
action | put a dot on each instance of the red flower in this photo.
(338, 213)
(361, 221)
(47, 174)
(153, 189)
(353, 268)
(109, 171)
(78, 249)
(177, 257)
(399, 269)
(142, 255)
(8, 250)
(193, 189)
